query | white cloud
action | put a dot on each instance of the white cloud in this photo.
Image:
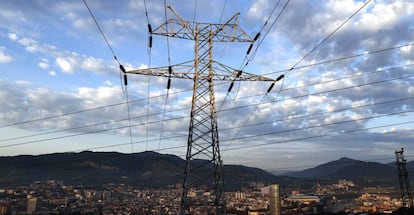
(81, 23)
(52, 73)
(411, 90)
(141, 66)
(12, 16)
(30, 44)
(67, 61)
(343, 8)
(4, 57)
(66, 64)
(23, 83)
(93, 64)
(256, 11)
(384, 16)
(101, 95)
(13, 36)
(43, 64)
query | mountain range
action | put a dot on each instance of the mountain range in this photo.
(362, 172)
(155, 170)
(145, 170)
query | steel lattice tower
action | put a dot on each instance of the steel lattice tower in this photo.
(406, 197)
(204, 167)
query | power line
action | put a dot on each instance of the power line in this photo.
(170, 71)
(259, 145)
(328, 81)
(104, 156)
(146, 11)
(248, 51)
(86, 110)
(149, 51)
(329, 35)
(222, 110)
(254, 136)
(122, 69)
(350, 76)
(254, 110)
(137, 142)
(320, 136)
(232, 139)
(322, 113)
(157, 96)
(262, 100)
(106, 41)
(70, 135)
(234, 108)
(271, 143)
(251, 45)
(330, 91)
(129, 116)
(221, 18)
(96, 124)
(250, 125)
(319, 126)
(148, 105)
(189, 90)
(317, 46)
(195, 10)
(251, 57)
(263, 144)
(342, 58)
(102, 33)
(222, 11)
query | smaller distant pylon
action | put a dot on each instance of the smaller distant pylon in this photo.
(406, 197)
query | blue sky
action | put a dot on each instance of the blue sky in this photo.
(54, 61)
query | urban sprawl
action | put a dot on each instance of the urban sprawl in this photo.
(54, 197)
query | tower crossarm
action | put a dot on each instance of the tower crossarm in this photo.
(185, 70)
(177, 27)
(226, 73)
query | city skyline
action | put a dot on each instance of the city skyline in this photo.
(347, 96)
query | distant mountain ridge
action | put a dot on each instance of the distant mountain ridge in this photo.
(323, 170)
(155, 170)
(146, 169)
(362, 172)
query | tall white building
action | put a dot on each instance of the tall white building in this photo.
(32, 205)
(274, 195)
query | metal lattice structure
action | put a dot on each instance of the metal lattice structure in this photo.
(203, 185)
(406, 196)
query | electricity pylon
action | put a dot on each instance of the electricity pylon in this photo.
(203, 186)
(407, 199)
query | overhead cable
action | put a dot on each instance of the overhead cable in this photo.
(245, 106)
(328, 36)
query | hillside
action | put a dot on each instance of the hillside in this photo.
(146, 169)
(323, 170)
(362, 172)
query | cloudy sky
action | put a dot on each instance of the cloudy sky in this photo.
(348, 87)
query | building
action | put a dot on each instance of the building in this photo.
(274, 195)
(303, 199)
(3, 210)
(32, 205)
